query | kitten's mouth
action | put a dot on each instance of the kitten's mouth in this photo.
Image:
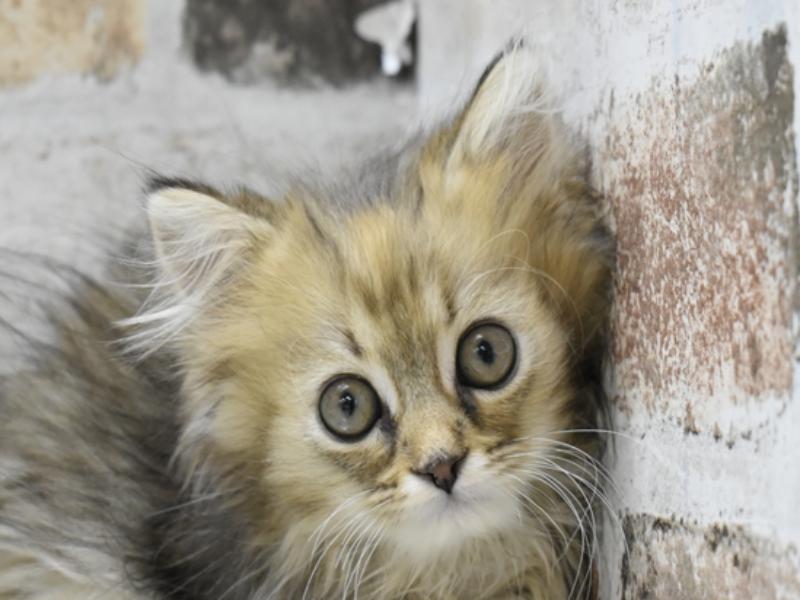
(457, 507)
(446, 521)
(464, 501)
(479, 504)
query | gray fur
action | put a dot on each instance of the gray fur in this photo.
(88, 486)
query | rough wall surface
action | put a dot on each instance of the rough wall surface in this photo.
(300, 41)
(81, 36)
(689, 109)
(669, 559)
(76, 147)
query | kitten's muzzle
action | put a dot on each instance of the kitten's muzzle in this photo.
(443, 471)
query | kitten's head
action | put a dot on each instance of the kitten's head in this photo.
(405, 366)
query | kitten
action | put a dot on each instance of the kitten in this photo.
(381, 387)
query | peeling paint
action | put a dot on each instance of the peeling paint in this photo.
(701, 182)
(669, 558)
(97, 37)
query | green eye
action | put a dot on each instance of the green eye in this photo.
(486, 356)
(349, 407)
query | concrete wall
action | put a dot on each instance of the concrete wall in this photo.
(93, 93)
(690, 112)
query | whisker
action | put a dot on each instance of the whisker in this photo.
(537, 507)
(317, 536)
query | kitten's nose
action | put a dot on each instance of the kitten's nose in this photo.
(443, 471)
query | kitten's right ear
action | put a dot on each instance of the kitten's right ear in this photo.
(198, 238)
(201, 240)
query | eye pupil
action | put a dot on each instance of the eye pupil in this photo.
(485, 352)
(347, 404)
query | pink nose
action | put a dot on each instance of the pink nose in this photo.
(443, 471)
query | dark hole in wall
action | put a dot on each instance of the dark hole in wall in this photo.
(301, 42)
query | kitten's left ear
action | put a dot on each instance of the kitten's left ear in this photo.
(508, 110)
(506, 90)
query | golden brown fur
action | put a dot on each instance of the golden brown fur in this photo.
(263, 302)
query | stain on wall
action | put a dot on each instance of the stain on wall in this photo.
(702, 184)
(669, 558)
(94, 37)
(298, 41)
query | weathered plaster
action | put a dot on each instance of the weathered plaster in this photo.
(75, 150)
(96, 37)
(676, 560)
(701, 181)
(298, 41)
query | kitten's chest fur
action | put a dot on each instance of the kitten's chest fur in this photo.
(207, 549)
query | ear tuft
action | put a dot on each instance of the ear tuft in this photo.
(156, 183)
(510, 93)
(195, 235)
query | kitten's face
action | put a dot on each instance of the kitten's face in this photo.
(403, 371)
(400, 361)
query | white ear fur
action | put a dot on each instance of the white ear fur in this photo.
(196, 237)
(199, 242)
(513, 87)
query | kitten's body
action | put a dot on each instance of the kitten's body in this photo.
(201, 470)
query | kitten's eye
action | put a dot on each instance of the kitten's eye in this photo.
(349, 407)
(486, 356)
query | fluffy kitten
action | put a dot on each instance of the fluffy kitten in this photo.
(381, 387)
